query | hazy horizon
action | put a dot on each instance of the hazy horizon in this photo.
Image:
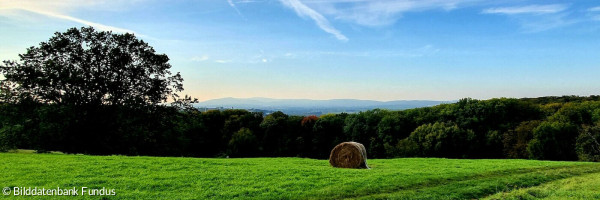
(343, 49)
(325, 99)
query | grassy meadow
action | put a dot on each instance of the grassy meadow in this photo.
(300, 178)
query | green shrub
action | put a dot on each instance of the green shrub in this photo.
(588, 144)
(553, 141)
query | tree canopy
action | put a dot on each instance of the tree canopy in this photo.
(88, 67)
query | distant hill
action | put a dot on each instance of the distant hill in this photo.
(313, 107)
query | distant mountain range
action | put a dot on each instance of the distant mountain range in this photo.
(312, 107)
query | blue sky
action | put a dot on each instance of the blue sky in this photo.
(331, 49)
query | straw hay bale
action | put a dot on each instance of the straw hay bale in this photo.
(349, 155)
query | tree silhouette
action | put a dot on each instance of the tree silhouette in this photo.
(87, 67)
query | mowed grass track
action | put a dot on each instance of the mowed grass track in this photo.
(297, 178)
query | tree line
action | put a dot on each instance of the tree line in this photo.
(91, 92)
(496, 128)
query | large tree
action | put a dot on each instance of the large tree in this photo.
(89, 67)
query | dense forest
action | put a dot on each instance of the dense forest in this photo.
(91, 92)
(549, 128)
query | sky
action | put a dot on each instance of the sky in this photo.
(343, 49)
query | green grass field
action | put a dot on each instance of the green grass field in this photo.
(298, 178)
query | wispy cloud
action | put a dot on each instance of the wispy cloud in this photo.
(530, 9)
(427, 50)
(57, 9)
(249, 1)
(374, 13)
(200, 58)
(365, 12)
(594, 9)
(380, 12)
(304, 11)
(232, 5)
(547, 22)
(81, 21)
(537, 18)
(222, 61)
(594, 13)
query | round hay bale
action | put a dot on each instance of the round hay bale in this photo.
(349, 155)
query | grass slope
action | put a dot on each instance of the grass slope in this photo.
(579, 187)
(293, 178)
